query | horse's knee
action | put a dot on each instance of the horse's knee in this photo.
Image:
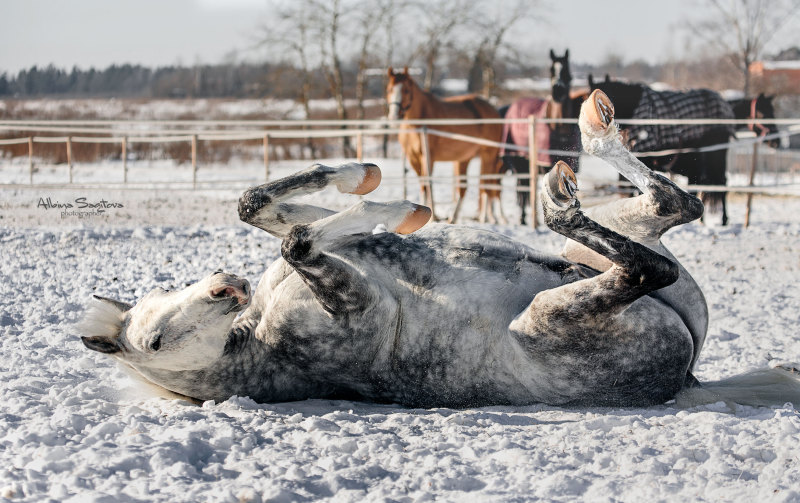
(251, 201)
(651, 271)
(296, 246)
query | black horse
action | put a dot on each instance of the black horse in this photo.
(638, 101)
(754, 109)
(565, 137)
(558, 137)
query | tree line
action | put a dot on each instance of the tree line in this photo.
(234, 80)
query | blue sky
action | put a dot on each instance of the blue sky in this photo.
(164, 32)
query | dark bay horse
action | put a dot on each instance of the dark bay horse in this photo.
(408, 101)
(754, 109)
(638, 101)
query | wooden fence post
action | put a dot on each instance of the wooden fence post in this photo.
(266, 157)
(124, 159)
(69, 157)
(30, 159)
(753, 164)
(533, 169)
(426, 169)
(194, 161)
(360, 146)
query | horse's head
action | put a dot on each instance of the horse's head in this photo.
(180, 330)
(399, 93)
(560, 76)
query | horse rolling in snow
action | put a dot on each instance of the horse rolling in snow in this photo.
(408, 101)
(403, 316)
(638, 101)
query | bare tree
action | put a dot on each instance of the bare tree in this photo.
(441, 21)
(494, 20)
(742, 29)
(372, 15)
(289, 34)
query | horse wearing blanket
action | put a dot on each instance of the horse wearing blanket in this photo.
(637, 101)
(404, 316)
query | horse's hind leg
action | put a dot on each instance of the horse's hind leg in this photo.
(593, 345)
(266, 206)
(643, 219)
(662, 204)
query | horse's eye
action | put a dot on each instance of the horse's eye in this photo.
(156, 344)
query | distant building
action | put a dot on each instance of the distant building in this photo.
(777, 77)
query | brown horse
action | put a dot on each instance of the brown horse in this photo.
(408, 101)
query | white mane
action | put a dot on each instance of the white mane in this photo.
(102, 319)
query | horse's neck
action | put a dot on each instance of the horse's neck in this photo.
(244, 369)
(422, 104)
(741, 108)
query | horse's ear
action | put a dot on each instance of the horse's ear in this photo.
(405, 71)
(122, 306)
(552, 55)
(591, 81)
(391, 72)
(608, 79)
(101, 343)
(566, 54)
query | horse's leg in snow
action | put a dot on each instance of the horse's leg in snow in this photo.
(459, 173)
(339, 286)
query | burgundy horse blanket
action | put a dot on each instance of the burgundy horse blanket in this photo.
(517, 133)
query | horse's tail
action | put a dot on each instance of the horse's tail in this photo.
(757, 388)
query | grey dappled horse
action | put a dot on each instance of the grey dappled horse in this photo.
(444, 316)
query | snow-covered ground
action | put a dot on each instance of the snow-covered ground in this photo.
(74, 428)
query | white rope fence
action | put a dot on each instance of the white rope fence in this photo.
(194, 131)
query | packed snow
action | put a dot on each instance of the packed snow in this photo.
(74, 427)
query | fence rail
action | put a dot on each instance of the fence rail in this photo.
(194, 131)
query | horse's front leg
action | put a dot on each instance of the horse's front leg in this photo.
(267, 206)
(340, 286)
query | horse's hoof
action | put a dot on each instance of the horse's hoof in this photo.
(597, 113)
(372, 178)
(561, 185)
(418, 217)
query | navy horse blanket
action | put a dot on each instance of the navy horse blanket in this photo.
(692, 104)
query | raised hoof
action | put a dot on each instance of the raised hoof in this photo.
(597, 113)
(418, 217)
(372, 178)
(561, 185)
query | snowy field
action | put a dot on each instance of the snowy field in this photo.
(74, 428)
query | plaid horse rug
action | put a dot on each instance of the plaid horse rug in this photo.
(693, 104)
